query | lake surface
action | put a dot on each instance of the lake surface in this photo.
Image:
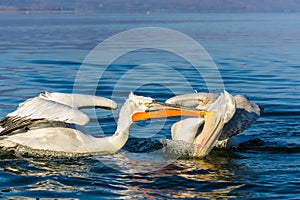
(257, 55)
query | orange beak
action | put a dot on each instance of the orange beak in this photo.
(167, 110)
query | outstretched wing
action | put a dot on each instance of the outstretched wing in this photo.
(39, 108)
(53, 107)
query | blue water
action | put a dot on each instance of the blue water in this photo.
(257, 55)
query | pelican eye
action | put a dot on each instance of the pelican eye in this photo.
(146, 103)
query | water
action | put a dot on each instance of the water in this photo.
(257, 55)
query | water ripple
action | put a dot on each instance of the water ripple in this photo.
(257, 55)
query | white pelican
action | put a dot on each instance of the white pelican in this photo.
(44, 125)
(241, 113)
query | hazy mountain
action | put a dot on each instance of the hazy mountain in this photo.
(150, 5)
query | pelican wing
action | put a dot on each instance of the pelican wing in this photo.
(246, 114)
(80, 100)
(38, 108)
(60, 107)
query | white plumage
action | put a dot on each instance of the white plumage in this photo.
(41, 125)
(241, 117)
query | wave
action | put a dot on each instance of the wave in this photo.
(54, 62)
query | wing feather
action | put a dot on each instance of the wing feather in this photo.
(80, 100)
(39, 108)
(54, 109)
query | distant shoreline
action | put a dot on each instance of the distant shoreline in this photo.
(130, 11)
(153, 6)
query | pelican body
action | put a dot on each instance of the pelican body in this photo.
(238, 114)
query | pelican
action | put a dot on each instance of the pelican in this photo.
(44, 125)
(239, 113)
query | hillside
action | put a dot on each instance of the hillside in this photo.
(150, 5)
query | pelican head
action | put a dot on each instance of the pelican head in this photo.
(133, 104)
(138, 103)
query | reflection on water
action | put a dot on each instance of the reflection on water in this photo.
(42, 175)
(189, 178)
